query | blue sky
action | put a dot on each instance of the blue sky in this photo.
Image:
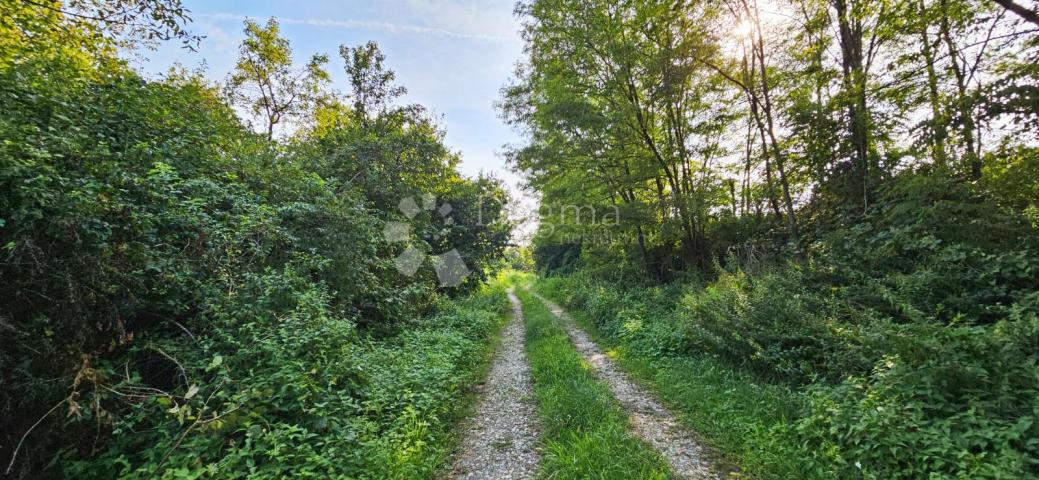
(453, 56)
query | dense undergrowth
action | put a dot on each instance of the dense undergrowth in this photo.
(186, 298)
(328, 406)
(867, 384)
(585, 428)
(905, 345)
(907, 337)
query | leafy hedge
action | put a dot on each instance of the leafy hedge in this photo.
(305, 397)
(183, 297)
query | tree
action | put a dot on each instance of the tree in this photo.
(614, 94)
(756, 84)
(163, 281)
(388, 150)
(131, 21)
(371, 83)
(265, 82)
(632, 104)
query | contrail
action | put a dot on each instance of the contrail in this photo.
(365, 25)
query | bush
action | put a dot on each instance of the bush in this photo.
(887, 397)
(934, 248)
(298, 394)
(184, 297)
(959, 401)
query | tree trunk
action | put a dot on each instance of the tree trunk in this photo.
(791, 216)
(850, 33)
(732, 196)
(965, 107)
(642, 249)
(748, 75)
(939, 130)
(1020, 10)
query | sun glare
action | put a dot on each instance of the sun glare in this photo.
(743, 30)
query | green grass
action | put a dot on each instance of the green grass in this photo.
(584, 427)
(743, 421)
(419, 386)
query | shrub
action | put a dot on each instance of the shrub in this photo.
(184, 297)
(905, 397)
(773, 324)
(297, 394)
(953, 401)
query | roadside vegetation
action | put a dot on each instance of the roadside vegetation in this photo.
(810, 225)
(895, 418)
(741, 418)
(193, 294)
(585, 428)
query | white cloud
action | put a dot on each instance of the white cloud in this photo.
(219, 38)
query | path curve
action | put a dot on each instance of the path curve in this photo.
(650, 420)
(501, 439)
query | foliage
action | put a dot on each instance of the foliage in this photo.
(883, 400)
(743, 420)
(956, 401)
(265, 82)
(836, 196)
(913, 332)
(187, 298)
(605, 95)
(520, 259)
(720, 128)
(127, 22)
(308, 398)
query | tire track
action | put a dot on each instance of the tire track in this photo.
(501, 439)
(650, 420)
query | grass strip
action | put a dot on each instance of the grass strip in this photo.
(585, 428)
(742, 420)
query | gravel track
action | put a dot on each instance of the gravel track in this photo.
(500, 441)
(650, 420)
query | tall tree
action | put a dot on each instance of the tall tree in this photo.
(756, 85)
(615, 91)
(372, 85)
(633, 103)
(266, 82)
(854, 66)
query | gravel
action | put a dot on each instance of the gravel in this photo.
(649, 420)
(501, 439)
